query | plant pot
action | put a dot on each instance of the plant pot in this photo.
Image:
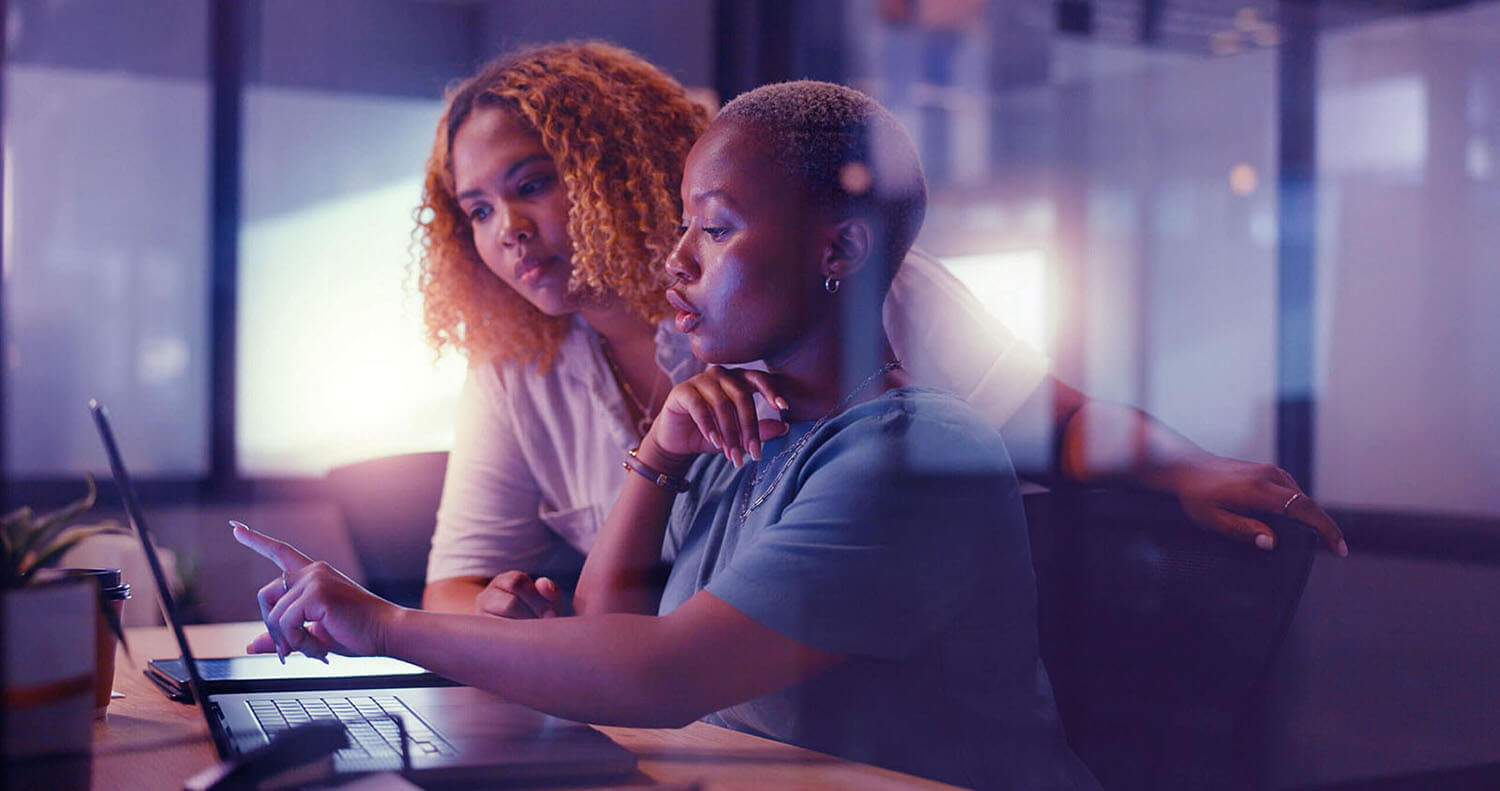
(47, 667)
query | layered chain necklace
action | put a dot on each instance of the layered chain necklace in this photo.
(789, 454)
(642, 408)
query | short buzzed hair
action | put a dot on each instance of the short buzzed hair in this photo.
(850, 153)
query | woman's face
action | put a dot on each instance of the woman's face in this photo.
(509, 188)
(748, 265)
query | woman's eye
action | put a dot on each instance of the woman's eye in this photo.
(716, 232)
(681, 229)
(479, 214)
(532, 186)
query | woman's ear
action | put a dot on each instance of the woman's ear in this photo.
(850, 248)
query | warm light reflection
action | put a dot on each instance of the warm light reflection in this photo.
(1013, 286)
(1242, 179)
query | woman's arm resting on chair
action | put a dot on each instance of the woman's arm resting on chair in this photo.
(1103, 443)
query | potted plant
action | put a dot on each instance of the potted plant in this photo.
(48, 636)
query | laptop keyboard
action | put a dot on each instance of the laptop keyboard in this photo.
(373, 738)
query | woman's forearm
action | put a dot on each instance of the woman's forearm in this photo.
(1104, 442)
(609, 669)
(620, 573)
(456, 594)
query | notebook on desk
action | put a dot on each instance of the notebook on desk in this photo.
(454, 733)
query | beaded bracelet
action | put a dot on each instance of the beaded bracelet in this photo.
(671, 483)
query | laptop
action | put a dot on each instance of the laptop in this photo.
(455, 734)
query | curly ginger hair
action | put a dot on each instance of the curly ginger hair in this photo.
(619, 130)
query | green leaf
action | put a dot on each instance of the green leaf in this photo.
(16, 524)
(57, 549)
(49, 527)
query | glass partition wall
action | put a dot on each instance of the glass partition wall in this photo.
(1121, 181)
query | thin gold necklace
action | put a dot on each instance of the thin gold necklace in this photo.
(643, 424)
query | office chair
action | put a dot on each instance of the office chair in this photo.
(1158, 636)
(390, 505)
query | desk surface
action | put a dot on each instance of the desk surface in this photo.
(149, 742)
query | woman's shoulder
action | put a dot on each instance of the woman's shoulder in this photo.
(931, 425)
(576, 358)
(917, 404)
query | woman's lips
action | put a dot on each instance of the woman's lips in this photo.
(530, 270)
(688, 317)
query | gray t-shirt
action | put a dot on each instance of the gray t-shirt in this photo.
(895, 535)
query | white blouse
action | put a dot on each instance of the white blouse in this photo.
(535, 464)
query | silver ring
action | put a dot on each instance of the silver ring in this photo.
(284, 586)
(1284, 506)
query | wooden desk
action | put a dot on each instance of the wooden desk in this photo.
(149, 742)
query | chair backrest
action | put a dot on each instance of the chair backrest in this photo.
(390, 505)
(1159, 636)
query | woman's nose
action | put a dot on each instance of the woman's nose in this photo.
(515, 227)
(681, 264)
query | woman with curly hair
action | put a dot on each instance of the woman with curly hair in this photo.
(549, 207)
(550, 202)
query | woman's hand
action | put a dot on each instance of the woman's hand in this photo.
(515, 594)
(714, 412)
(313, 608)
(1216, 492)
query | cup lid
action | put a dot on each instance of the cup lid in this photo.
(109, 581)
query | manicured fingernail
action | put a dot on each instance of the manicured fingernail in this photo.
(755, 449)
(781, 403)
(1343, 548)
(1264, 541)
(713, 437)
(233, 524)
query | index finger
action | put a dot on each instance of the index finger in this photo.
(284, 555)
(763, 383)
(1308, 512)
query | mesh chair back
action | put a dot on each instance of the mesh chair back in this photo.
(390, 506)
(1159, 636)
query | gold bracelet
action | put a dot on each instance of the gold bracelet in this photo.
(671, 483)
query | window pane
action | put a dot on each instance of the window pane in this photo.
(338, 124)
(1409, 222)
(106, 235)
(332, 363)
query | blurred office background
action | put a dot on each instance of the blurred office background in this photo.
(1272, 224)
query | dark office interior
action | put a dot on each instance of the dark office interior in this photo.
(1262, 221)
